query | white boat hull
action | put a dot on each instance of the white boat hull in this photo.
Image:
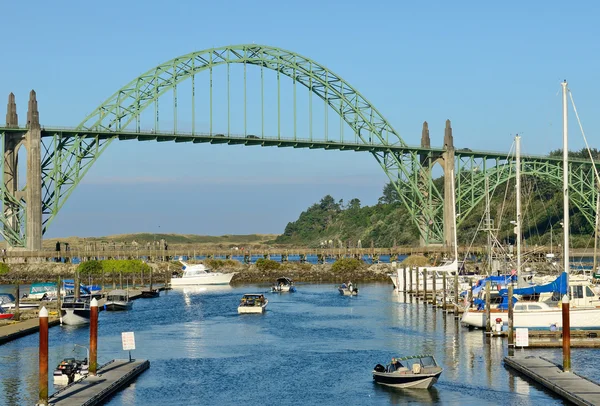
(74, 317)
(425, 383)
(347, 292)
(580, 319)
(208, 279)
(118, 306)
(252, 309)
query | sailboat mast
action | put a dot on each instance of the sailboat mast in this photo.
(488, 224)
(518, 222)
(594, 268)
(454, 220)
(565, 177)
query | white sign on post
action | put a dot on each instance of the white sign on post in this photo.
(128, 340)
(522, 337)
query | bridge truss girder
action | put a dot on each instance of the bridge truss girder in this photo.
(472, 171)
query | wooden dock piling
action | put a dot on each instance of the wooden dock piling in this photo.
(43, 358)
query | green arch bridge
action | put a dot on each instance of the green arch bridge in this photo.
(288, 101)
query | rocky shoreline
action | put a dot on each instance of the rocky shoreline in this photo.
(42, 272)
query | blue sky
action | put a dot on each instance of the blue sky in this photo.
(492, 68)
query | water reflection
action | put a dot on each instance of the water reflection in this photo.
(298, 344)
(407, 396)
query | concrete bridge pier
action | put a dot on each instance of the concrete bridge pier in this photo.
(449, 201)
(12, 143)
(32, 193)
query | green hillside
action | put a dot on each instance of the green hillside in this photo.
(388, 223)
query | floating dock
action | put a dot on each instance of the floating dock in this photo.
(574, 388)
(94, 390)
(13, 331)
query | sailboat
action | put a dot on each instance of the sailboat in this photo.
(540, 315)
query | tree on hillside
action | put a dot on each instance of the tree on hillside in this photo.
(390, 194)
(328, 203)
(354, 204)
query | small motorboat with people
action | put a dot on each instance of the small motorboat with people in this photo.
(118, 299)
(70, 370)
(348, 289)
(199, 274)
(253, 303)
(416, 371)
(283, 284)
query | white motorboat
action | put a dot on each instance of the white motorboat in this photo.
(348, 289)
(70, 370)
(253, 303)
(75, 311)
(283, 284)
(200, 275)
(418, 372)
(118, 299)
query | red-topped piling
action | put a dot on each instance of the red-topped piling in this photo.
(43, 357)
(566, 334)
(93, 337)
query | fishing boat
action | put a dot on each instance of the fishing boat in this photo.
(253, 303)
(75, 311)
(118, 299)
(348, 289)
(70, 370)
(41, 290)
(283, 284)
(200, 275)
(417, 371)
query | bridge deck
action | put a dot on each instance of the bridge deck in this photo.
(569, 385)
(93, 390)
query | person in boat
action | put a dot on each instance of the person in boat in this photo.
(343, 286)
(350, 286)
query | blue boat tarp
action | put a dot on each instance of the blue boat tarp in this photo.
(502, 280)
(480, 303)
(559, 285)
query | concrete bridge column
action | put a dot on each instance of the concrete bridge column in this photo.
(448, 159)
(425, 175)
(33, 142)
(12, 143)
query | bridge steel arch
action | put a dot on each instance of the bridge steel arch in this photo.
(67, 162)
(69, 154)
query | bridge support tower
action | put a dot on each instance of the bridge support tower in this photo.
(23, 205)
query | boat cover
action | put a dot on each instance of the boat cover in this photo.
(559, 285)
(502, 279)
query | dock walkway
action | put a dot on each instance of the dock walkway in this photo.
(569, 385)
(13, 331)
(93, 390)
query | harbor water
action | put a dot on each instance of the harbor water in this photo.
(310, 347)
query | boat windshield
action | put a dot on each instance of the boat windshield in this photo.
(408, 362)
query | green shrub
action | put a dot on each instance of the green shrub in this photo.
(4, 269)
(347, 265)
(124, 265)
(91, 267)
(267, 264)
